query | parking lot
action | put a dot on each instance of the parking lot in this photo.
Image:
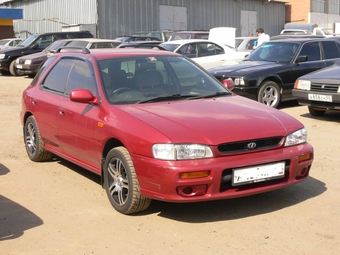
(58, 208)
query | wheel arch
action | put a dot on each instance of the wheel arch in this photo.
(273, 78)
(24, 119)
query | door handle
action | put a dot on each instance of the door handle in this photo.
(34, 101)
(61, 111)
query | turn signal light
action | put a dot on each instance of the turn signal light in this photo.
(193, 175)
(305, 157)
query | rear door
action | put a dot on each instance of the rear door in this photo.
(331, 52)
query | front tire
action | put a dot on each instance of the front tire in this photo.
(269, 94)
(34, 143)
(121, 183)
(315, 112)
(14, 71)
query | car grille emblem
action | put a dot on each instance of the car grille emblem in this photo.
(251, 146)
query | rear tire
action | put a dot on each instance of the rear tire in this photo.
(315, 112)
(121, 183)
(269, 94)
(34, 143)
(14, 71)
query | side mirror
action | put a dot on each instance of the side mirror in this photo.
(83, 96)
(228, 83)
(301, 59)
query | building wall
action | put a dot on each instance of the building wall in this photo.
(129, 16)
(297, 11)
(115, 17)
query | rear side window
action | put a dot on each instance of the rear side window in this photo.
(330, 50)
(56, 79)
(78, 43)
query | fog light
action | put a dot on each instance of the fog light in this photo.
(193, 175)
(192, 191)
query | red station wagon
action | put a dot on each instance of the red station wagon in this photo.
(155, 125)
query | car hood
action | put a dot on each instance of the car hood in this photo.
(214, 121)
(38, 55)
(326, 75)
(244, 67)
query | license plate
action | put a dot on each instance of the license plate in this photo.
(261, 173)
(19, 66)
(324, 98)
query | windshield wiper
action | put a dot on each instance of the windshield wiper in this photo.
(166, 98)
(217, 94)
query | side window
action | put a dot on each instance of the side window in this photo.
(330, 50)
(312, 51)
(44, 41)
(250, 44)
(189, 50)
(57, 78)
(49, 61)
(80, 78)
(209, 49)
(78, 44)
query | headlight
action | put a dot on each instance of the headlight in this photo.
(297, 137)
(2, 56)
(181, 151)
(28, 62)
(302, 84)
(239, 81)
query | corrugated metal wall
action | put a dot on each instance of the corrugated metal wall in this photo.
(42, 16)
(115, 17)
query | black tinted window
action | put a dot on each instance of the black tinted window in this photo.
(330, 50)
(80, 78)
(78, 43)
(312, 51)
(57, 78)
(189, 50)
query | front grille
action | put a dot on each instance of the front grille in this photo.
(243, 146)
(321, 87)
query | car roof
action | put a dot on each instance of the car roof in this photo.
(188, 41)
(91, 40)
(121, 53)
(192, 32)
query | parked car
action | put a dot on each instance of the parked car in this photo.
(142, 44)
(155, 125)
(9, 42)
(94, 43)
(134, 38)
(245, 44)
(162, 35)
(204, 52)
(30, 64)
(319, 90)
(184, 35)
(268, 74)
(33, 44)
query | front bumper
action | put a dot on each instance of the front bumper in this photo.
(302, 97)
(161, 180)
(249, 92)
(4, 65)
(28, 69)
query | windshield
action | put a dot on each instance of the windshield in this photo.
(29, 41)
(274, 52)
(3, 42)
(154, 79)
(170, 46)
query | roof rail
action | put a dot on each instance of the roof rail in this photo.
(73, 49)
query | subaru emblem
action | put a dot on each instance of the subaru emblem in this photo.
(251, 146)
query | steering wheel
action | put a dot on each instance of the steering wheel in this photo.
(119, 91)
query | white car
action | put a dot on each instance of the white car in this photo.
(10, 42)
(204, 52)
